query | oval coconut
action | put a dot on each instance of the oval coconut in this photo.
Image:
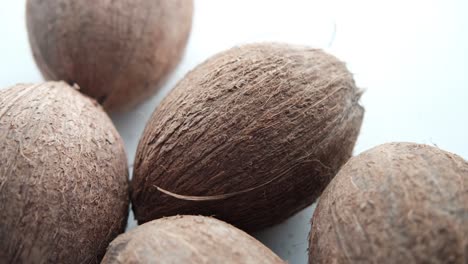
(63, 176)
(118, 52)
(396, 203)
(187, 239)
(251, 136)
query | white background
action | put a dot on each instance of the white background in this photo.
(410, 56)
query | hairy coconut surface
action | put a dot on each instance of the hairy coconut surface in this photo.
(188, 239)
(396, 203)
(251, 136)
(118, 52)
(63, 176)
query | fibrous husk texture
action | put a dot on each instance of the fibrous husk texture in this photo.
(260, 129)
(63, 176)
(396, 203)
(187, 239)
(118, 52)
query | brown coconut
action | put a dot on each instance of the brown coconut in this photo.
(251, 136)
(118, 52)
(63, 176)
(188, 239)
(396, 203)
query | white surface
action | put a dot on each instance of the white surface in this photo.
(410, 56)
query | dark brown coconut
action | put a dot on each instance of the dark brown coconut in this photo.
(187, 239)
(118, 52)
(396, 203)
(63, 176)
(251, 136)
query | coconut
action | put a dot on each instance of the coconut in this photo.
(118, 52)
(187, 239)
(250, 136)
(396, 203)
(63, 176)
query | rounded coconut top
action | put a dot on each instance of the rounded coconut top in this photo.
(250, 136)
(188, 239)
(395, 203)
(63, 176)
(118, 52)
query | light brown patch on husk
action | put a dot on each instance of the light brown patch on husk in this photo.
(188, 239)
(118, 52)
(396, 203)
(63, 176)
(256, 114)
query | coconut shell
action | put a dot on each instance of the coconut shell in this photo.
(63, 176)
(396, 203)
(251, 136)
(188, 239)
(118, 52)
